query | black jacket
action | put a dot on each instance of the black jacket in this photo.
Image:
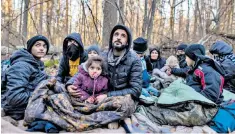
(126, 76)
(226, 59)
(23, 75)
(63, 71)
(206, 77)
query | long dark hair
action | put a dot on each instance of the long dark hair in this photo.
(99, 60)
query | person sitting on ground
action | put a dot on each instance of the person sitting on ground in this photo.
(140, 46)
(124, 69)
(183, 70)
(93, 82)
(21, 78)
(155, 59)
(223, 54)
(73, 55)
(205, 75)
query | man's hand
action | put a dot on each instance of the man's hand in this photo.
(72, 91)
(100, 98)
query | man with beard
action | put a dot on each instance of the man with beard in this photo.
(73, 55)
(124, 69)
(183, 70)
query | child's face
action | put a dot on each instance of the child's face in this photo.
(189, 61)
(92, 54)
(39, 49)
(94, 70)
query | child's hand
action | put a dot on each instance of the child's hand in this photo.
(52, 81)
(90, 100)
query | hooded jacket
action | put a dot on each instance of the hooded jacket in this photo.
(226, 59)
(89, 87)
(63, 71)
(22, 77)
(158, 63)
(206, 77)
(125, 77)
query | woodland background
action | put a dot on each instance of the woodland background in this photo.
(165, 23)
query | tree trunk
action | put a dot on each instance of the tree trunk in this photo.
(172, 19)
(40, 19)
(188, 21)
(67, 18)
(180, 22)
(150, 26)
(109, 21)
(145, 18)
(195, 22)
(137, 19)
(121, 6)
(21, 11)
(25, 20)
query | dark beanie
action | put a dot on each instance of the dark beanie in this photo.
(195, 50)
(140, 45)
(94, 48)
(182, 46)
(36, 38)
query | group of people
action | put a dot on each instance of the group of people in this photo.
(90, 75)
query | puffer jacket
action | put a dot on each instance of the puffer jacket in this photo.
(89, 87)
(63, 71)
(23, 75)
(126, 76)
(206, 77)
(226, 59)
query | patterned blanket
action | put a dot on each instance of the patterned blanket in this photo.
(52, 103)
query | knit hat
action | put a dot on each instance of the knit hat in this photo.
(36, 38)
(94, 48)
(182, 46)
(195, 50)
(140, 45)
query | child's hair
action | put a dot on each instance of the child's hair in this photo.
(172, 61)
(100, 61)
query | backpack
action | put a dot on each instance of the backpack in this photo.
(224, 120)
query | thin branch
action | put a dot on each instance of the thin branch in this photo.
(26, 11)
(178, 3)
(119, 11)
(97, 31)
(34, 24)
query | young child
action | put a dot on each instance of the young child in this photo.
(140, 46)
(92, 82)
(205, 75)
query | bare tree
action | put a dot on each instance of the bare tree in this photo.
(40, 17)
(25, 19)
(109, 20)
(150, 25)
(145, 22)
(121, 7)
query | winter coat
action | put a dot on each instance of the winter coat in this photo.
(22, 77)
(159, 63)
(88, 86)
(125, 77)
(181, 72)
(63, 71)
(206, 77)
(226, 59)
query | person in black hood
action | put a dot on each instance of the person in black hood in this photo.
(21, 78)
(124, 68)
(223, 54)
(205, 75)
(73, 55)
(155, 58)
(183, 70)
